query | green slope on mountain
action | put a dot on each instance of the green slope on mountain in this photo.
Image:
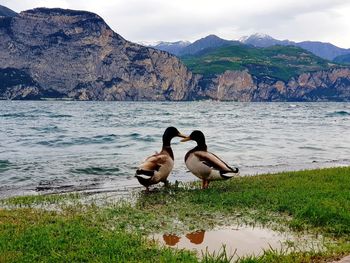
(344, 59)
(281, 62)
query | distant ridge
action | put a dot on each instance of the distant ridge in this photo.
(345, 59)
(263, 40)
(211, 41)
(182, 48)
(174, 48)
(321, 49)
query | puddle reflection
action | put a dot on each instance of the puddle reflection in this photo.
(194, 237)
(238, 241)
(171, 240)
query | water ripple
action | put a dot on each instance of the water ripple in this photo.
(97, 170)
(78, 144)
(99, 139)
(338, 113)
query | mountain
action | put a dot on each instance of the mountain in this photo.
(74, 54)
(345, 59)
(240, 85)
(208, 42)
(69, 54)
(7, 12)
(182, 48)
(321, 49)
(263, 40)
(324, 50)
(4, 11)
(174, 48)
(276, 73)
(280, 62)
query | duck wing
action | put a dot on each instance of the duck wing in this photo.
(152, 164)
(214, 162)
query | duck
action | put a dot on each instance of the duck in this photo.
(157, 167)
(206, 165)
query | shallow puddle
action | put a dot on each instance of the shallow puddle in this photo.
(238, 241)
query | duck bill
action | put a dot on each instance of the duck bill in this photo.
(186, 139)
(182, 135)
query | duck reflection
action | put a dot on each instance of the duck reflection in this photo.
(196, 237)
(171, 240)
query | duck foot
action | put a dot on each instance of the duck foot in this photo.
(205, 184)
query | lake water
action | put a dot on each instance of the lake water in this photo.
(48, 146)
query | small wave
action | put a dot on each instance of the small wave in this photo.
(338, 114)
(47, 129)
(99, 139)
(105, 115)
(17, 115)
(311, 148)
(60, 116)
(32, 114)
(5, 165)
(97, 170)
(139, 137)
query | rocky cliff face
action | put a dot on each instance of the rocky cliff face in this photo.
(331, 85)
(55, 53)
(74, 54)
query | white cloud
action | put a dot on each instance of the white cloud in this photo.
(152, 20)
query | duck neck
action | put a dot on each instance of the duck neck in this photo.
(201, 147)
(167, 148)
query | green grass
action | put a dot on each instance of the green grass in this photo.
(33, 236)
(316, 201)
(315, 198)
(40, 200)
(280, 62)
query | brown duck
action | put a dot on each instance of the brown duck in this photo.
(206, 165)
(156, 168)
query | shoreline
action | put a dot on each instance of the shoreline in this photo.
(272, 200)
(126, 185)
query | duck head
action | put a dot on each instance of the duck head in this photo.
(169, 134)
(196, 136)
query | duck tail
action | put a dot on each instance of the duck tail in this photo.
(144, 172)
(144, 177)
(229, 174)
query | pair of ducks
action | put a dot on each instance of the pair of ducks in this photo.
(203, 164)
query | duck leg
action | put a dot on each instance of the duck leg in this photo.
(205, 184)
(166, 183)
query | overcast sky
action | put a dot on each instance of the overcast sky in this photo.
(154, 20)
